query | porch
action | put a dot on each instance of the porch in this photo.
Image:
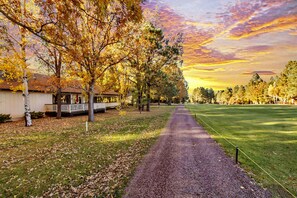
(72, 109)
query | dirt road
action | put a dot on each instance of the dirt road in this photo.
(186, 162)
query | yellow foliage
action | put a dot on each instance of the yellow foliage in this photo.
(19, 87)
(12, 66)
(122, 113)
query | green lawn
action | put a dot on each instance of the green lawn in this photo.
(57, 156)
(268, 134)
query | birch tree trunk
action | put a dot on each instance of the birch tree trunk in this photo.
(28, 120)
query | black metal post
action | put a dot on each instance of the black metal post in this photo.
(236, 155)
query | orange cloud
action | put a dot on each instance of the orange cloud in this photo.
(213, 51)
(209, 57)
(254, 29)
(203, 70)
(238, 13)
(195, 39)
(225, 62)
(268, 73)
(254, 18)
(251, 18)
(199, 24)
(255, 50)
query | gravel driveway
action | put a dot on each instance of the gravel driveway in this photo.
(186, 162)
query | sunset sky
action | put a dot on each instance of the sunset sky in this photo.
(226, 41)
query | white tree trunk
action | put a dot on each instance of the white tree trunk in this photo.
(28, 120)
(23, 44)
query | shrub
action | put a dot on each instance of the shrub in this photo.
(37, 115)
(4, 117)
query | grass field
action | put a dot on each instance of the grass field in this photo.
(59, 158)
(268, 134)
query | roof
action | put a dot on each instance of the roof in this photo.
(42, 83)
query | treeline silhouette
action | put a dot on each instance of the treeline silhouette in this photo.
(281, 89)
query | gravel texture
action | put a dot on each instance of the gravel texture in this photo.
(186, 162)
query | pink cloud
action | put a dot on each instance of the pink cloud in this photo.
(195, 38)
(263, 17)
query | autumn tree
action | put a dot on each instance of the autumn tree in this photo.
(136, 60)
(99, 42)
(272, 90)
(45, 18)
(51, 58)
(226, 95)
(93, 38)
(256, 89)
(169, 84)
(163, 53)
(199, 95)
(291, 70)
(150, 55)
(14, 62)
(169, 89)
(218, 96)
(210, 95)
(183, 88)
(143, 46)
(238, 95)
(286, 85)
(120, 81)
(241, 95)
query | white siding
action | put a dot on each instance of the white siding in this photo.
(13, 103)
(38, 101)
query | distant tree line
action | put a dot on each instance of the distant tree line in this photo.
(203, 95)
(280, 89)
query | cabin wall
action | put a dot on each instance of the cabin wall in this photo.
(13, 102)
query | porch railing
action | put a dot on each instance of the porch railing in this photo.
(72, 108)
(112, 105)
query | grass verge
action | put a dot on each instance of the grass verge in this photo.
(268, 134)
(59, 158)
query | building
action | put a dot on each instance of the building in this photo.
(43, 99)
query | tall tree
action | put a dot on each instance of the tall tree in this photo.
(218, 96)
(287, 81)
(137, 60)
(14, 62)
(99, 42)
(162, 53)
(273, 90)
(256, 89)
(238, 95)
(51, 58)
(151, 53)
(226, 95)
(183, 88)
